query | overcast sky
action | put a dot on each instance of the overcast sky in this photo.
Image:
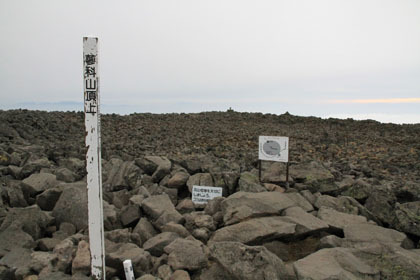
(337, 58)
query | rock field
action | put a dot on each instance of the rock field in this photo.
(351, 209)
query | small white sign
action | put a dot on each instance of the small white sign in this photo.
(273, 148)
(203, 194)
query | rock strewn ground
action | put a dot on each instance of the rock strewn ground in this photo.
(352, 206)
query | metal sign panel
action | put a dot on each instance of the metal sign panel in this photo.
(203, 194)
(273, 148)
(93, 156)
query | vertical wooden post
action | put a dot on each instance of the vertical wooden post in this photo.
(93, 156)
(259, 169)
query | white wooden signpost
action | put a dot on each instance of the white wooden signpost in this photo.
(203, 194)
(274, 148)
(93, 156)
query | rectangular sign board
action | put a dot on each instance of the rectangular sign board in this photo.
(273, 148)
(203, 194)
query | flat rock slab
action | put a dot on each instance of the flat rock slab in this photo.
(371, 233)
(255, 230)
(334, 263)
(305, 222)
(243, 205)
(339, 220)
(247, 262)
(156, 244)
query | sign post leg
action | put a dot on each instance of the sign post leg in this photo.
(93, 157)
(259, 169)
(287, 174)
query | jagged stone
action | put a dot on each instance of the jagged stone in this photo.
(247, 262)
(156, 244)
(186, 254)
(305, 223)
(249, 182)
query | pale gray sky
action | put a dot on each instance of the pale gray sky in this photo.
(358, 58)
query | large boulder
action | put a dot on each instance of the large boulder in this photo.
(315, 176)
(247, 262)
(161, 210)
(71, 207)
(119, 174)
(305, 222)
(156, 244)
(31, 220)
(368, 234)
(242, 205)
(407, 217)
(200, 179)
(38, 182)
(334, 263)
(14, 237)
(339, 220)
(255, 231)
(186, 254)
(249, 182)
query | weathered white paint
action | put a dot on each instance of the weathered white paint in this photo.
(93, 156)
(128, 270)
(273, 148)
(203, 194)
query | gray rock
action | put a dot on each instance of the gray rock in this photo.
(18, 259)
(120, 175)
(176, 228)
(13, 195)
(130, 215)
(241, 205)
(156, 244)
(31, 220)
(65, 251)
(199, 220)
(336, 263)
(14, 237)
(39, 182)
(256, 230)
(228, 181)
(164, 166)
(305, 223)
(407, 217)
(119, 235)
(330, 241)
(71, 207)
(47, 199)
(145, 230)
(141, 259)
(249, 182)
(360, 190)
(247, 262)
(381, 204)
(186, 254)
(178, 180)
(180, 275)
(392, 261)
(185, 206)
(309, 196)
(339, 220)
(66, 175)
(200, 179)
(111, 219)
(314, 175)
(161, 210)
(300, 201)
(47, 244)
(164, 272)
(81, 262)
(368, 233)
